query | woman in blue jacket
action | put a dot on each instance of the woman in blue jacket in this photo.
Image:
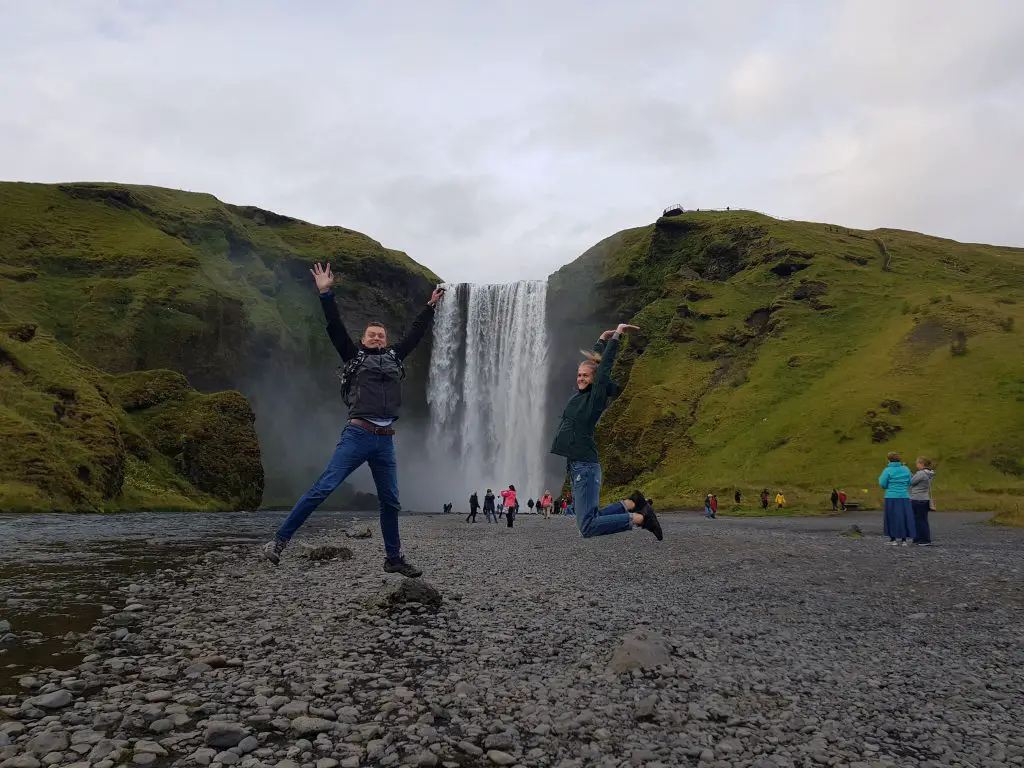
(899, 515)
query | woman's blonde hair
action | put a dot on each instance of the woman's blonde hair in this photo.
(924, 461)
(893, 456)
(590, 359)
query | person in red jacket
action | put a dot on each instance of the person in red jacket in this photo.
(511, 505)
(509, 496)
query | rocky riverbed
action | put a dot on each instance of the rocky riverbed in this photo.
(735, 642)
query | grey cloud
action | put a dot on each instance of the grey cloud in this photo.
(515, 135)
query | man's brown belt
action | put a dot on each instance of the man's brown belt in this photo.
(369, 426)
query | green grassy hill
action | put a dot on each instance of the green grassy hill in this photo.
(137, 277)
(785, 355)
(134, 278)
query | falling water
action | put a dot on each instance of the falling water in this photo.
(486, 389)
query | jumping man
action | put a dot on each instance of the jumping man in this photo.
(373, 393)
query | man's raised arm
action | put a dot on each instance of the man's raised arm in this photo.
(419, 326)
(335, 328)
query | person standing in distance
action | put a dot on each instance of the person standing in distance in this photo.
(489, 512)
(373, 394)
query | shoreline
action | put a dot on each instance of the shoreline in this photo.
(221, 659)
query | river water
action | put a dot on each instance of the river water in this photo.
(58, 571)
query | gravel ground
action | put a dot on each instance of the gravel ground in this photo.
(735, 642)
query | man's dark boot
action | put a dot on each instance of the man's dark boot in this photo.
(399, 565)
(651, 523)
(639, 502)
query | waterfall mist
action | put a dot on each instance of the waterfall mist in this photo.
(486, 390)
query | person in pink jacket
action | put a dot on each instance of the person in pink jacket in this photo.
(546, 502)
(509, 497)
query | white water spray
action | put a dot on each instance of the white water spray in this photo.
(486, 391)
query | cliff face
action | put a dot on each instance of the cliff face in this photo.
(794, 355)
(77, 439)
(134, 279)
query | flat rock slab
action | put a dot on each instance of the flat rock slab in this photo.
(53, 700)
(640, 650)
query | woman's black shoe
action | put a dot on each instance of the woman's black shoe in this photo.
(651, 523)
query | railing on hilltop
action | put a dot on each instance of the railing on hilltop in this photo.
(676, 210)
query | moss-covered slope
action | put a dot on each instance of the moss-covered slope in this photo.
(794, 355)
(76, 439)
(134, 278)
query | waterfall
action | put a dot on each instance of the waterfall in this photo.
(486, 388)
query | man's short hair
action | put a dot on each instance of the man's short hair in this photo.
(375, 324)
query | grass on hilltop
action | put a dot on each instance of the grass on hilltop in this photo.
(780, 354)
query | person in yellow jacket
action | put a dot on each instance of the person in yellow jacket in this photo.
(780, 500)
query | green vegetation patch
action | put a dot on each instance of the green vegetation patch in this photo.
(783, 355)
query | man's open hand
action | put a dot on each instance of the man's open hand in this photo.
(626, 328)
(436, 296)
(324, 278)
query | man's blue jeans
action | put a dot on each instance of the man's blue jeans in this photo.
(586, 495)
(356, 446)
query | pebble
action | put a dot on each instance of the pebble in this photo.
(54, 700)
(307, 726)
(48, 741)
(204, 755)
(20, 761)
(224, 735)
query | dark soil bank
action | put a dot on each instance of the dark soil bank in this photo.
(735, 642)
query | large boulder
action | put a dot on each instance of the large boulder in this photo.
(409, 591)
(321, 552)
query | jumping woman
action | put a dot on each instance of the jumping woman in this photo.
(575, 441)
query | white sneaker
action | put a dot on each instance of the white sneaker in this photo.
(893, 543)
(903, 542)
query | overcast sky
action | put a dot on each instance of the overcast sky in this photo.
(498, 140)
